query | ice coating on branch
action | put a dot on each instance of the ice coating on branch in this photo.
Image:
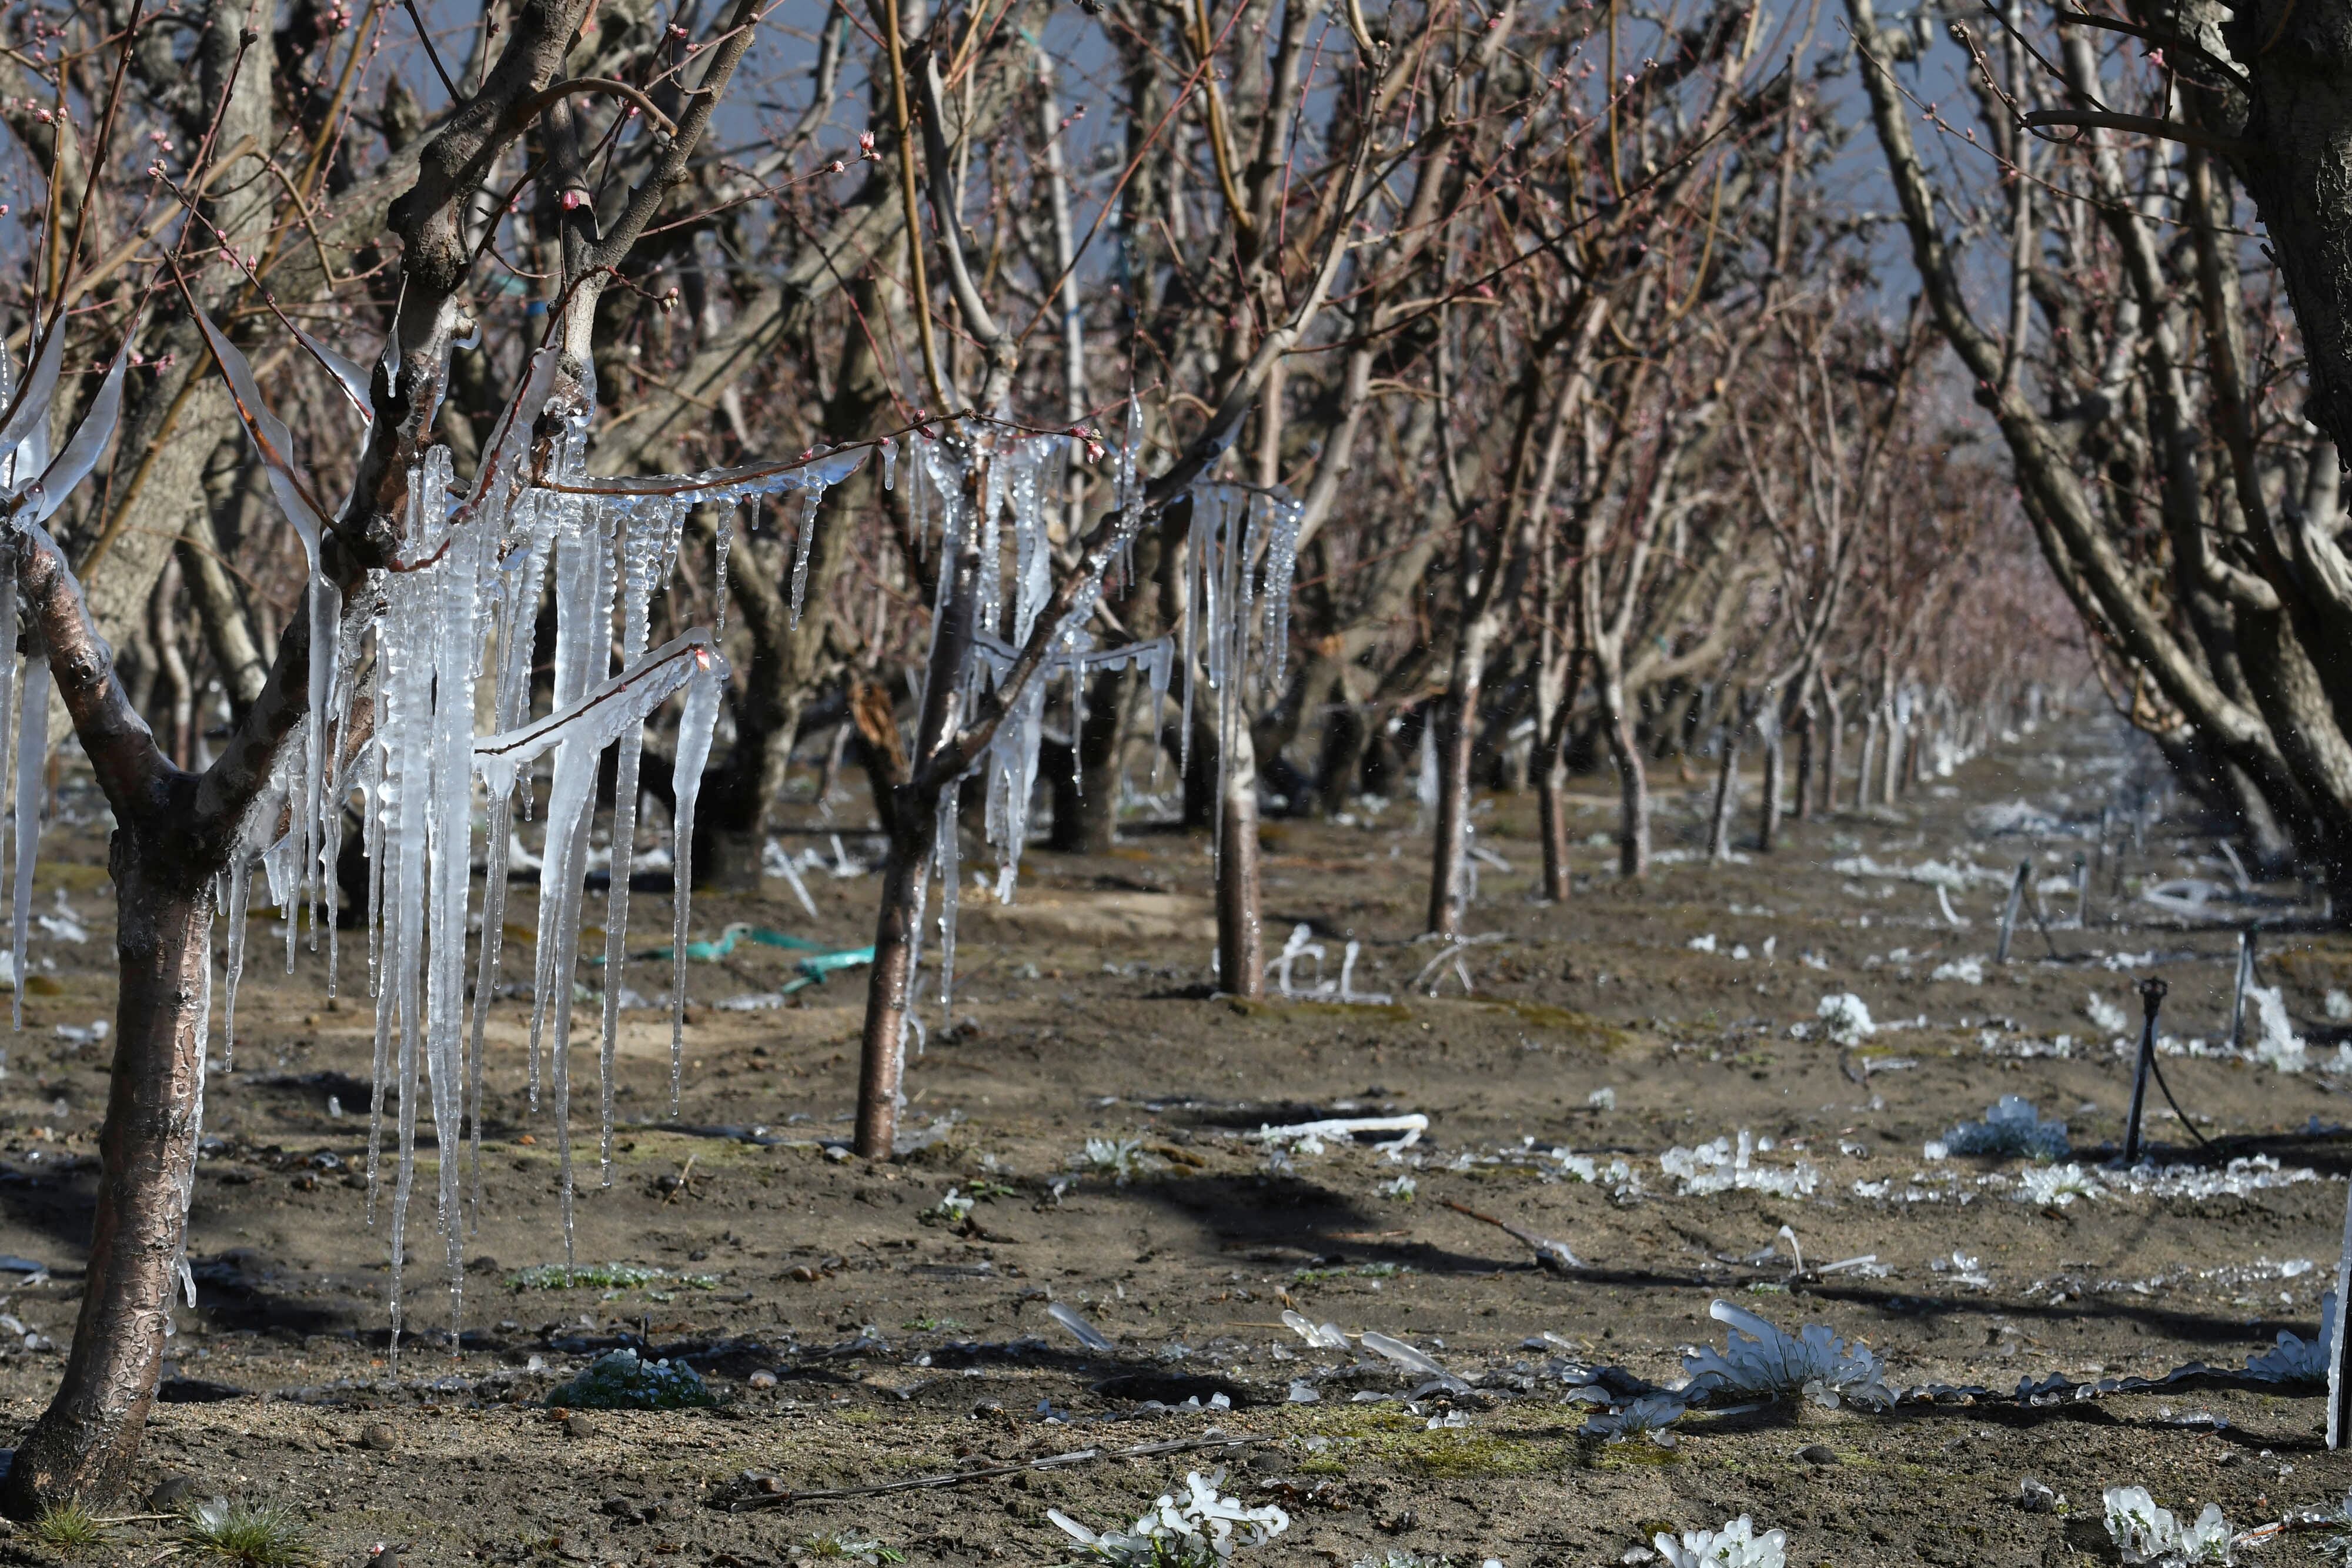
(449, 627)
(1005, 478)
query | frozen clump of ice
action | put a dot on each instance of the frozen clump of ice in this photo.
(1968, 971)
(1202, 1531)
(2104, 1016)
(2278, 1044)
(1845, 1017)
(1758, 1359)
(2339, 1007)
(1703, 944)
(2145, 1533)
(2012, 1129)
(2056, 1187)
(1735, 1545)
(2294, 1359)
(621, 1380)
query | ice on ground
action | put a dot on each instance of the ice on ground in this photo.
(2145, 1533)
(1201, 1529)
(2277, 1044)
(2012, 1129)
(1734, 1545)
(2104, 1016)
(1758, 1359)
(621, 1380)
(1845, 1017)
(1720, 1166)
(2295, 1359)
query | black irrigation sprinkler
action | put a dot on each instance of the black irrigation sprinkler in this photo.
(2151, 999)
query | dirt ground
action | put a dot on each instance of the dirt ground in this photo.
(906, 1342)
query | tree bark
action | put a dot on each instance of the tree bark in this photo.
(1768, 828)
(1633, 782)
(1457, 718)
(85, 1444)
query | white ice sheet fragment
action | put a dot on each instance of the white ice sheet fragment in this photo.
(1411, 1358)
(1344, 1129)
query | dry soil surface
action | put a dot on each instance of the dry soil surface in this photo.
(1098, 1106)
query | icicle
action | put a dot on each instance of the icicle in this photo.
(240, 888)
(806, 537)
(644, 546)
(696, 721)
(889, 464)
(948, 853)
(8, 677)
(32, 759)
(719, 592)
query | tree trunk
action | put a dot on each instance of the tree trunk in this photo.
(889, 984)
(1241, 941)
(85, 1444)
(1802, 797)
(1633, 783)
(1457, 720)
(1552, 813)
(1727, 795)
(1872, 724)
(1768, 828)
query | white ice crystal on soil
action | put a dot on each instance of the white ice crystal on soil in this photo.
(1758, 1359)
(1735, 1545)
(1202, 1531)
(1846, 1019)
(2146, 1533)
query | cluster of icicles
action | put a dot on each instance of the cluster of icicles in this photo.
(1242, 553)
(402, 673)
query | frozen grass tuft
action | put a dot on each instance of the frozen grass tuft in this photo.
(1735, 1545)
(1121, 1159)
(258, 1536)
(2297, 1360)
(621, 1380)
(70, 1528)
(1203, 1530)
(1759, 1360)
(2013, 1129)
(1846, 1019)
(2146, 1533)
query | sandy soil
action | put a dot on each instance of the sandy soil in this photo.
(904, 1342)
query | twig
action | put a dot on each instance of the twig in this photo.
(989, 1472)
(685, 1175)
(1554, 1256)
